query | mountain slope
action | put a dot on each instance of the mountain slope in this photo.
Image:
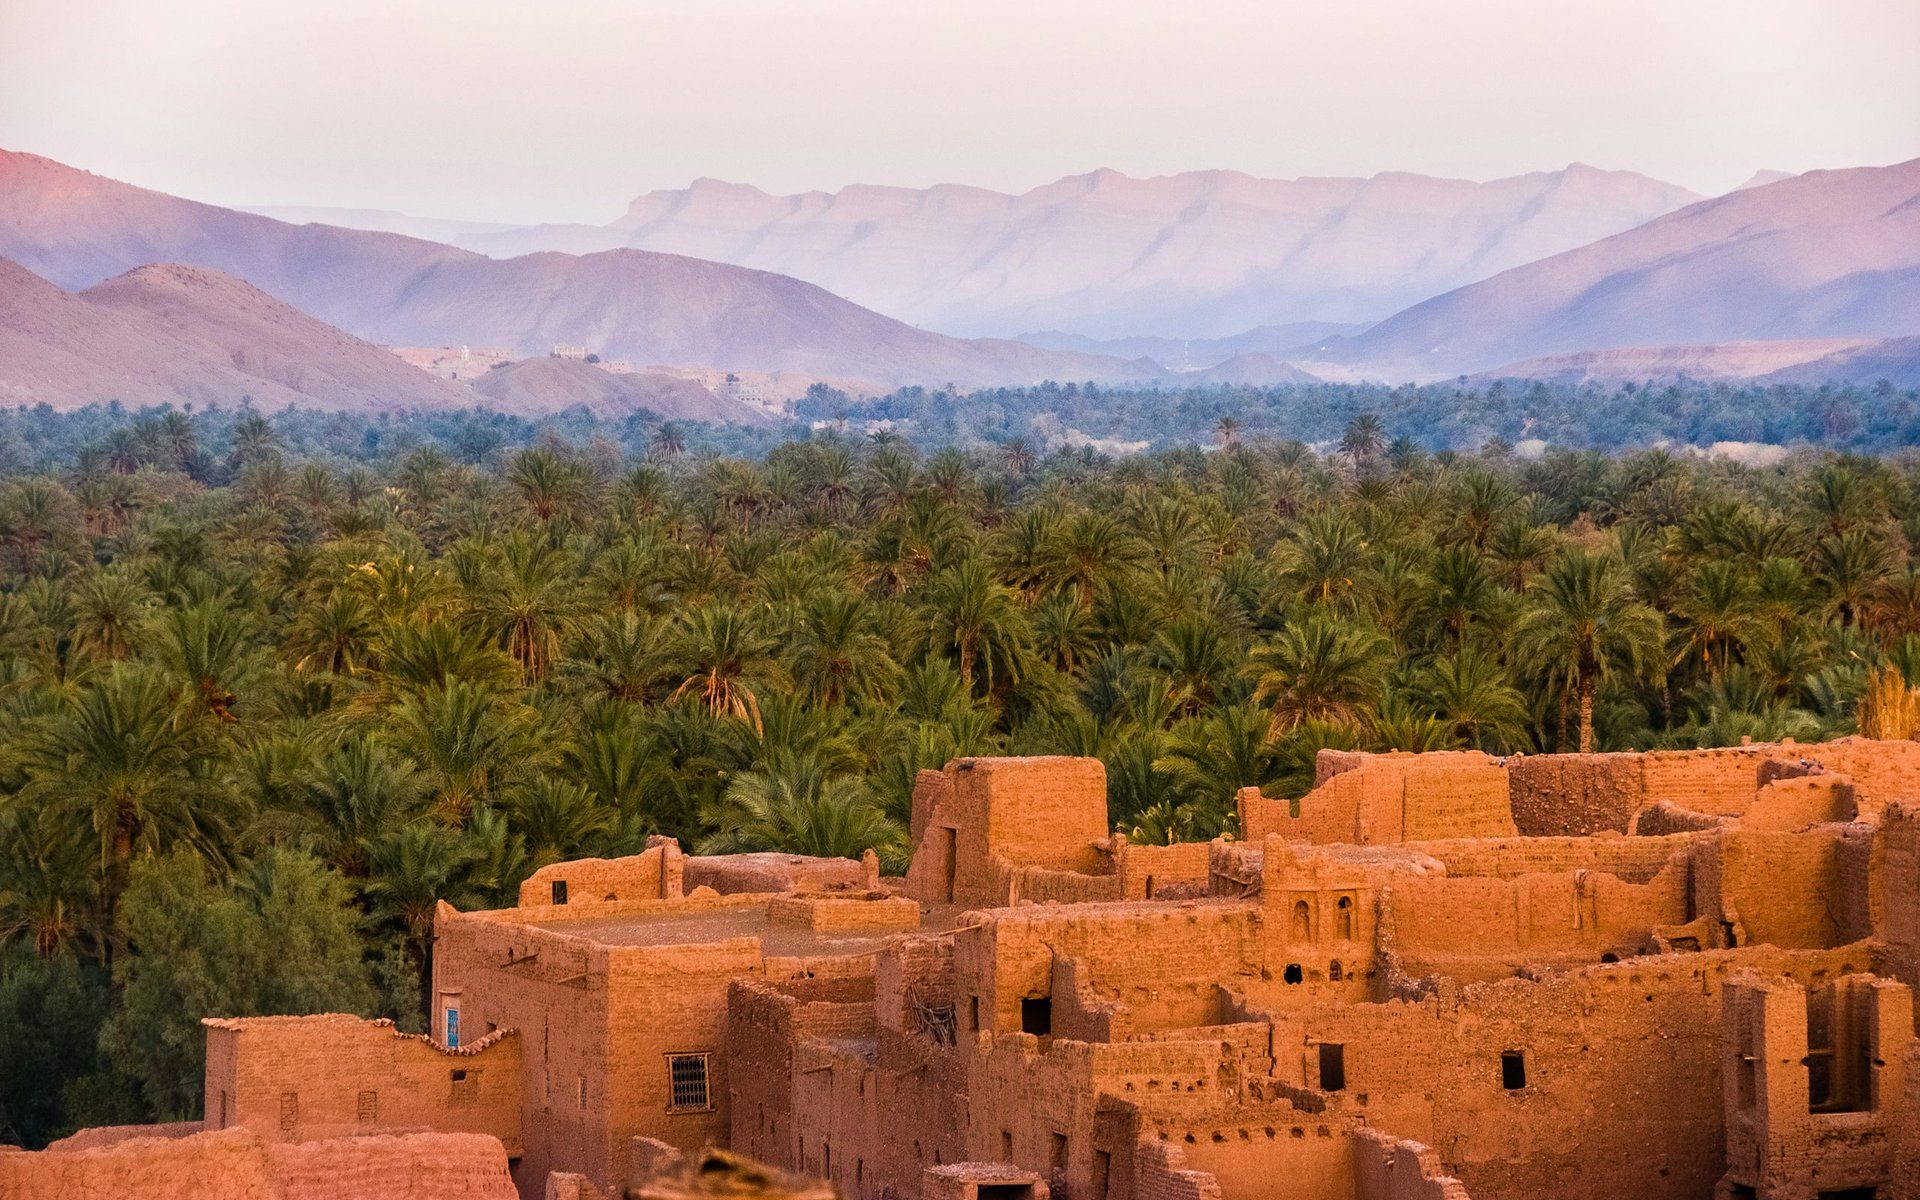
(76, 228)
(547, 385)
(1896, 360)
(1207, 253)
(1825, 254)
(1722, 360)
(173, 334)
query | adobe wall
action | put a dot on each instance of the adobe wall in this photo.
(293, 1079)
(738, 874)
(1799, 890)
(553, 988)
(1622, 1094)
(1635, 859)
(797, 1091)
(1574, 794)
(655, 873)
(1047, 812)
(668, 1000)
(1897, 918)
(1579, 794)
(1149, 872)
(1368, 799)
(1390, 1168)
(238, 1164)
(1778, 1143)
(1165, 963)
(1475, 927)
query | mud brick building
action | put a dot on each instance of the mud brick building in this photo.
(1436, 976)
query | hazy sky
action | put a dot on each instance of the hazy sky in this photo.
(524, 110)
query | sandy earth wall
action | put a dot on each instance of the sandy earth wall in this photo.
(237, 1164)
(297, 1079)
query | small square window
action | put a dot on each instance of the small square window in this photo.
(559, 891)
(687, 1083)
(367, 1109)
(289, 1110)
(1513, 1070)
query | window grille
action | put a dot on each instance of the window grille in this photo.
(687, 1076)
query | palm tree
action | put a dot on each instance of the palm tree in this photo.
(1364, 438)
(334, 635)
(1472, 693)
(1089, 549)
(112, 610)
(531, 603)
(1331, 555)
(124, 759)
(1585, 624)
(358, 795)
(1718, 614)
(835, 654)
(791, 804)
(721, 656)
(551, 486)
(1318, 670)
(413, 869)
(980, 620)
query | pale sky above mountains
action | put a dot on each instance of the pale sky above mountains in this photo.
(507, 110)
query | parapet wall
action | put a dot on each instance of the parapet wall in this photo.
(980, 821)
(653, 874)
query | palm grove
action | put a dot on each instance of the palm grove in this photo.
(263, 709)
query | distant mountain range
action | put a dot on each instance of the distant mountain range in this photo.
(1203, 254)
(1803, 278)
(179, 335)
(1828, 254)
(76, 228)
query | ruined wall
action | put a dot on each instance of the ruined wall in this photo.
(237, 1164)
(1150, 872)
(301, 1078)
(1579, 794)
(1780, 888)
(1574, 794)
(1814, 1083)
(1165, 963)
(1897, 919)
(1048, 812)
(1800, 801)
(1635, 859)
(653, 874)
(1385, 798)
(1390, 1168)
(1622, 1088)
(1476, 927)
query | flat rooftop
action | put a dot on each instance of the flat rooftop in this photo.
(702, 927)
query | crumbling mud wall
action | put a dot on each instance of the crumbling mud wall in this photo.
(653, 874)
(981, 816)
(1370, 799)
(239, 1164)
(301, 1078)
(1477, 927)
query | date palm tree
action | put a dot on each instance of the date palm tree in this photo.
(722, 656)
(1585, 625)
(1318, 669)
